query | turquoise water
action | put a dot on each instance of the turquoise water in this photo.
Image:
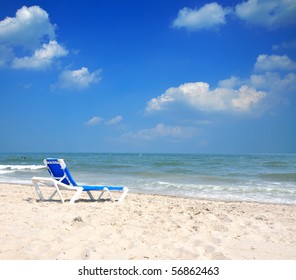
(261, 178)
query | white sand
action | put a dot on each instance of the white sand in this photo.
(143, 227)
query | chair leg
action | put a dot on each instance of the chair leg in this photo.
(76, 195)
(59, 192)
(90, 195)
(111, 196)
(101, 195)
(37, 188)
(53, 194)
(122, 197)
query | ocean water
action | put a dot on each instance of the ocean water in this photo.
(246, 177)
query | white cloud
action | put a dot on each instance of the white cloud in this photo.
(209, 16)
(270, 14)
(28, 40)
(245, 98)
(232, 82)
(275, 83)
(162, 131)
(267, 13)
(28, 28)
(285, 45)
(78, 79)
(41, 58)
(114, 120)
(275, 75)
(274, 62)
(267, 85)
(6, 55)
(94, 121)
(200, 97)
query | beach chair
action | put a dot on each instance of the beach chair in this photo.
(61, 179)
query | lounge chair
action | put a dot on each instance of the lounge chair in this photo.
(61, 179)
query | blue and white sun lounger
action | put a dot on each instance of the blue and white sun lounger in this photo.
(61, 179)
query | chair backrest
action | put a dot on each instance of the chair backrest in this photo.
(59, 171)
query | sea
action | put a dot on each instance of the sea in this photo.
(264, 178)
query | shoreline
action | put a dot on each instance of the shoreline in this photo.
(175, 196)
(144, 226)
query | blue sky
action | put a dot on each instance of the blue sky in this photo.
(148, 76)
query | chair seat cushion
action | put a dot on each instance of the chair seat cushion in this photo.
(100, 188)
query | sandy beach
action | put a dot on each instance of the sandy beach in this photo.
(143, 227)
